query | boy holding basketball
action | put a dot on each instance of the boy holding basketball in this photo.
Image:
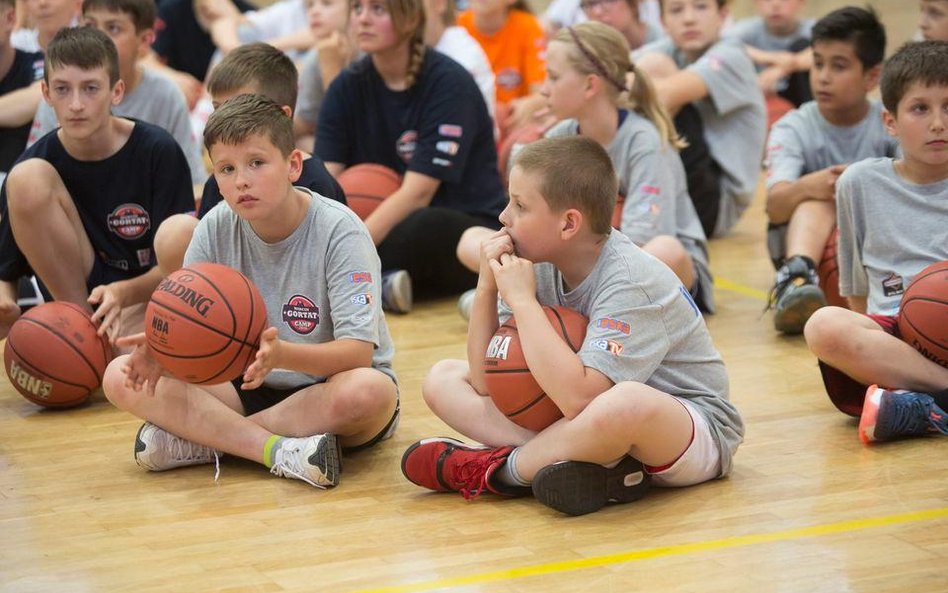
(80, 206)
(891, 215)
(647, 383)
(322, 378)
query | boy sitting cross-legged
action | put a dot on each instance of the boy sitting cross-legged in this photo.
(658, 393)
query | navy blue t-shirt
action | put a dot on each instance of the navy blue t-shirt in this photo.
(313, 176)
(439, 127)
(121, 199)
(26, 69)
(179, 39)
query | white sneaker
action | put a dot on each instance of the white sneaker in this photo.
(466, 303)
(158, 450)
(315, 460)
(396, 291)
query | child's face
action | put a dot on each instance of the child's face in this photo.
(618, 14)
(219, 98)
(52, 15)
(373, 26)
(933, 20)
(533, 227)
(326, 16)
(693, 25)
(837, 78)
(254, 176)
(564, 87)
(780, 16)
(82, 99)
(121, 30)
(921, 125)
(489, 7)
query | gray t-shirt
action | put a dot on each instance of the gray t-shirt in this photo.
(734, 118)
(157, 101)
(652, 179)
(753, 32)
(321, 283)
(644, 327)
(802, 142)
(312, 90)
(889, 231)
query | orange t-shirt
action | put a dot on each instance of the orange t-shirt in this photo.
(515, 52)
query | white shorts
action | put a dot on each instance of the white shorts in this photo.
(700, 462)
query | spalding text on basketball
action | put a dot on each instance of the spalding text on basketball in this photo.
(28, 382)
(189, 296)
(498, 347)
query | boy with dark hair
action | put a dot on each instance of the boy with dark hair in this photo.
(657, 393)
(891, 215)
(80, 206)
(313, 387)
(255, 68)
(149, 96)
(810, 147)
(18, 69)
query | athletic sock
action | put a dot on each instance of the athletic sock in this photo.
(508, 475)
(270, 448)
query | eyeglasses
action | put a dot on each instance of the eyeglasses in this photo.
(590, 5)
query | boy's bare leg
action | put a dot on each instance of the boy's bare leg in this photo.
(48, 230)
(171, 241)
(469, 246)
(809, 228)
(859, 347)
(9, 310)
(448, 392)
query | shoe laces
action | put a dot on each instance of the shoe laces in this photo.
(913, 413)
(291, 464)
(471, 476)
(787, 273)
(185, 450)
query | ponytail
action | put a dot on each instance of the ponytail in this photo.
(644, 100)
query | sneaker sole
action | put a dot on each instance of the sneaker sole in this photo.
(870, 411)
(578, 488)
(140, 448)
(798, 308)
(327, 456)
(454, 442)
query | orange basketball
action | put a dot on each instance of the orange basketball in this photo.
(923, 315)
(509, 382)
(829, 272)
(203, 323)
(53, 355)
(367, 185)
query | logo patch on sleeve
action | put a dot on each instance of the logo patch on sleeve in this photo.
(608, 346)
(614, 324)
(301, 314)
(360, 277)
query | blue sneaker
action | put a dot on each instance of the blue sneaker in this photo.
(888, 415)
(396, 291)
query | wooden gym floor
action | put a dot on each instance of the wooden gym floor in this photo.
(807, 508)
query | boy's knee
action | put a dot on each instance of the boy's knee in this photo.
(30, 186)
(442, 375)
(823, 328)
(113, 382)
(172, 239)
(623, 408)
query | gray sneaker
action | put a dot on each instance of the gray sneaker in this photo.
(158, 450)
(316, 460)
(466, 303)
(396, 291)
(795, 296)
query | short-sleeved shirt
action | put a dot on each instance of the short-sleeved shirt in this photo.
(321, 283)
(802, 142)
(753, 32)
(515, 52)
(644, 327)
(181, 42)
(26, 69)
(889, 230)
(314, 176)
(734, 118)
(121, 199)
(652, 180)
(439, 127)
(155, 100)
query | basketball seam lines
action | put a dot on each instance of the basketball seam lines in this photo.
(37, 370)
(65, 341)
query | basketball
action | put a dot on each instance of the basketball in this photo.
(509, 382)
(203, 323)
(828, 271)
(53, 355)
(923, 315)
(367, 185)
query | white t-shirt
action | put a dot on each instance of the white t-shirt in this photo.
(457, 44)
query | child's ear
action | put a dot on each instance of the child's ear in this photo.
(571, 221)
(118, 92)
(296, 165)
(888, 120)
(145, 39)
(872, 76)
(593, 84)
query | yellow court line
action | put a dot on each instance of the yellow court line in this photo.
(662, 551)
(725, 284)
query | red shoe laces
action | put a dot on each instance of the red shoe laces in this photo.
(471, 476)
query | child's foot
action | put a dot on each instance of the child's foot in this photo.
(396, 291)
(888, 415)
(316, 460)
(158, 450)
(795, 295)
(577, 487)
(466, 303)
(448, 465)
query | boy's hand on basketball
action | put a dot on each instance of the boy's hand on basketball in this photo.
(140, 369)
(108, 313)
(268, 356)
(515, 280)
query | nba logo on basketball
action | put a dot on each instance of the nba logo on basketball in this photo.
(498, 348)
(28, 382)
(301, 314)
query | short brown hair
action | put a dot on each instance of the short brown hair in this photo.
(924, 62)
(142, 12)
(247, 115)
(86, 48)
(258, 64)
(576, 172)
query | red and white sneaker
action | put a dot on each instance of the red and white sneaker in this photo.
(448, 465)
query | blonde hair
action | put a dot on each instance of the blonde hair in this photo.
(408, 18)
(595, 48)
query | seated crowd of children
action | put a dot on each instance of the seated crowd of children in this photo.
(628, 142)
